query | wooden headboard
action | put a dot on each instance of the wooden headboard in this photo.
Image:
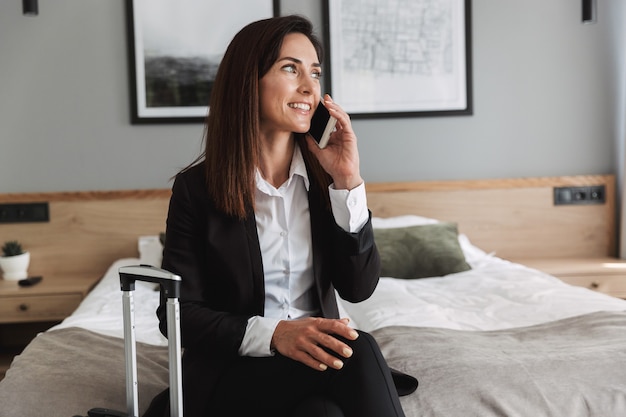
(87, 231)
(515, 218)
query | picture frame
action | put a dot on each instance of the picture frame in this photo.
(174, 50)
(390, 61)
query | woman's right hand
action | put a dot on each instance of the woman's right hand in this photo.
(308, 341)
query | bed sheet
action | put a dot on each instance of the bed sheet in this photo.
(495, 294)
(101, 311)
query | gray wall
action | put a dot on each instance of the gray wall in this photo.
(548, 92)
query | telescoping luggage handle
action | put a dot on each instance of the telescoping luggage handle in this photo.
(170, 287)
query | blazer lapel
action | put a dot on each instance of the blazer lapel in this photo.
(257, 262)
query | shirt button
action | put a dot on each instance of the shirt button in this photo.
(283, 233)
(352, 202)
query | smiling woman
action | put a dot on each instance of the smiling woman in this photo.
(264, 228)
(290, 88)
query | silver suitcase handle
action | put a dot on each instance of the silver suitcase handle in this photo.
(170, 288)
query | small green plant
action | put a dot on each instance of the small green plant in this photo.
(12, 248)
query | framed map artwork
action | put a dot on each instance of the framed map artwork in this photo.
(399, 58)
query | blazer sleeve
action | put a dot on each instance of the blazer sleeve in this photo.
(205, 323)
(358, 263)
(347, 262)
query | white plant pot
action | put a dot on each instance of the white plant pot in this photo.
(15, 267)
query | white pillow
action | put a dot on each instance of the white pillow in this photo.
(150, 250)
(400, 221)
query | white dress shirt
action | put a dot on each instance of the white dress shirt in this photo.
(284, 229)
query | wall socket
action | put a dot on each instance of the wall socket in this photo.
(24, 213)
(594, 194)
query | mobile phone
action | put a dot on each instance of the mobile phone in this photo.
(30, 281)
(322, 125)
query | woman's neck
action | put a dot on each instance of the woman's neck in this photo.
(276, 155)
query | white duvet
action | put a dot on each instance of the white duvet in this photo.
(494, 294)
(101, 310)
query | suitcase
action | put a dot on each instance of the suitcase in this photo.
(170, 289)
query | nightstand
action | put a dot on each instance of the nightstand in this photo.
(606, 275)
(26, 311)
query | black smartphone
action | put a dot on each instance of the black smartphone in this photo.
(30, 281)
(322, 125)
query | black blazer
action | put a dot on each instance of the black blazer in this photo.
(219, 260)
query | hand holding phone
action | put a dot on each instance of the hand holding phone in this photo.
(322, 125)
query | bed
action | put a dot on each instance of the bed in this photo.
(485, 336)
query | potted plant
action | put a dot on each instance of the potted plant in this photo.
(14, 261)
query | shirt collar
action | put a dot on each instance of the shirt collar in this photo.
(297, 167)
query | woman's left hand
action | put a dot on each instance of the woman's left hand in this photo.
(340, 158)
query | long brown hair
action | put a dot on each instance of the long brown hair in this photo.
(231, 134)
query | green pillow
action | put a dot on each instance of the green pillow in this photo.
(429, 250)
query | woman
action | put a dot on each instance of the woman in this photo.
(263, 229)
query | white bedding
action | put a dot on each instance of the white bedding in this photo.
(494, 294)
(101, 310)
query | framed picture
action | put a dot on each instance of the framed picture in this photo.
(175, 47)
(399, 58)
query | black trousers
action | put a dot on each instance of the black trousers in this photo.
(281, 387)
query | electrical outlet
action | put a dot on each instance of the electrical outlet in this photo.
(594, 194)
(24, 213)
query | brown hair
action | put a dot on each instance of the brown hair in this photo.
(231, 135)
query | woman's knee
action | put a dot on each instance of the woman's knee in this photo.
(366, 346)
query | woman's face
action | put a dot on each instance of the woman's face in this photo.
(290, 91)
